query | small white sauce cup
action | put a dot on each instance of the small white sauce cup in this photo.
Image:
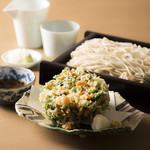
(58, 36)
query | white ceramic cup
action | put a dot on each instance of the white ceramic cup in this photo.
(58, 36)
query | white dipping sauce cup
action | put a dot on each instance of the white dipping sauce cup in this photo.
(58, 36)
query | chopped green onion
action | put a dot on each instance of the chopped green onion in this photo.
(97, 96)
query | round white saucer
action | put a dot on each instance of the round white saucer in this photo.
(10, 57)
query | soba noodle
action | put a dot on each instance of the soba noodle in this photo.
(120, 59)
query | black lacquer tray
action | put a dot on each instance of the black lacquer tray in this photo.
(137, 94)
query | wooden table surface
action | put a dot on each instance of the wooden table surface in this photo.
(129, 19)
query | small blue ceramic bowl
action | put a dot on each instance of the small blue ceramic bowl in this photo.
(11, 95)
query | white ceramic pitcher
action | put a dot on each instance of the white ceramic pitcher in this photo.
(27, 17)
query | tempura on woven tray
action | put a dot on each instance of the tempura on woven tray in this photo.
(74, 96)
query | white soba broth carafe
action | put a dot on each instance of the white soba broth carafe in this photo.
(27, 17)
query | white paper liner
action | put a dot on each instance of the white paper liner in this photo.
(34, 99)
(112, 103)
